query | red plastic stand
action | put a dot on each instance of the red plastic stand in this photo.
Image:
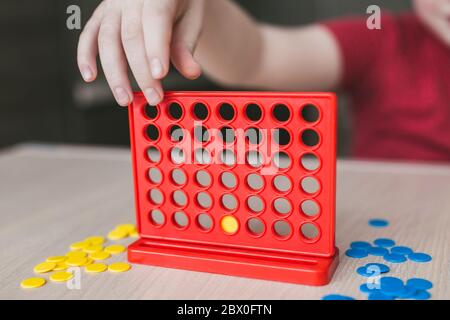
(237, 183)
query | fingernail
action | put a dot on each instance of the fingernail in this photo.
(86, 73)
(152, 96)
(122, 96)
(156, 68)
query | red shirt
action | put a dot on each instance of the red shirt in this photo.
(399, 82)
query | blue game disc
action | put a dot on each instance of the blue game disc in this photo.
(407, 292)
(373, 288)
(419, 284)
(377, 251)
(378, 223)
(394, 258)
(379, 296)
(360, 245)
(421, 295)
(419, 257)
(402, 250)
(391, 286)
(362, 271)
(377, 266)
(356, 253)
(336, 297)
(384, 242)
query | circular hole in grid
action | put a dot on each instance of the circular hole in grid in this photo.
(201, 134)
(310, 208)
(153, 154)
(151, 111)
(310, 185)
(310, 138)
(229, 201)
(282, 229)
(256, 226)
(204, 200)
(254, 159)
(282, 160)
(226, 111)
(310, 113)
(281, 112)
(282, 183)
(155, 175)
(253, 135)
(157, 217)
(200, 111)
(175, 111)
(204, 221)
(281, 136)
(180, 219)
(255, 181)
(309, 231)
(202, 156)
(227, 134)
(227, 157)
(179, 177)
(310, 162)
(177, 155)
(179, 197)
(282, 206)
(176, 133)
(203, 178)
(253, 112)
(152, 132)
(156, 196)
(255, 203)
(228, 179)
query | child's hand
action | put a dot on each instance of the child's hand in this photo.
(147, 33)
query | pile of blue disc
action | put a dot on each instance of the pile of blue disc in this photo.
(391, 288)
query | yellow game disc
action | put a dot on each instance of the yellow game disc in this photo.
(32, 283)
(229, 224)
(88, 262)
(128, 227)
(95, 240)
(96, 267)
(75, 261)
(117, 234)
(134, 234)
(60, 266)
(119, 267)
(93, 248)
(79, 245)
(99, 255)
(76, 254)
(61, 276)
(115, 249)
(44, 267)
(56, 259)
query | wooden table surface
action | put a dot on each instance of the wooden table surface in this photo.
(51, 196)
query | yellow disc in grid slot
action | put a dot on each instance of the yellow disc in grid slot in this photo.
(44, 267)
(117, 234)
(99, 255)
(119, 267)
(61, 276)
(93, 248)
(76, 254)
(95, 240)
(79, 245)
(229, 224)
(76, 261)
(56, 259)
(32, 283)
(115, 249)
(60, 266)
(96, 268)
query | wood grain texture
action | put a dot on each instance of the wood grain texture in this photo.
(51, 196)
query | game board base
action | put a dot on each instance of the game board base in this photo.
(254, 263)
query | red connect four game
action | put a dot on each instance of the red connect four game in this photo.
(237, 183)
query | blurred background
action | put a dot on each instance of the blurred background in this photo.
(43, 98)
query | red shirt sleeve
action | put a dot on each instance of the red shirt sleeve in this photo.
(360, 46)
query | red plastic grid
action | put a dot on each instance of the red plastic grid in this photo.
(145, 120)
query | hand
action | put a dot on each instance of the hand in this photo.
(147, 34)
